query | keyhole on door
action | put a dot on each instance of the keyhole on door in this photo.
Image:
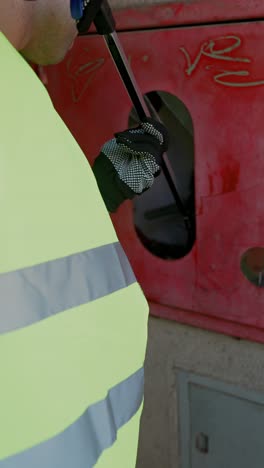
(202, 443)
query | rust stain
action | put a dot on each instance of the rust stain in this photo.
(200, 208)
(230, 174)
(211, 183)
(195, 254)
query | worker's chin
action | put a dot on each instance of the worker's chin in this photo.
(52, 59)
(40, 58)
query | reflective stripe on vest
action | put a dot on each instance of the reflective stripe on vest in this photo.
(81, 445)
(52, 287)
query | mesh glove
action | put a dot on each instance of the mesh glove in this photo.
(128, 164)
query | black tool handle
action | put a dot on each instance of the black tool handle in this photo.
(90, 12)
(99, 12)
(104, 20)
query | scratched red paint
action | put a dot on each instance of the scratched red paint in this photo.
(188, 12)
(211, 184)
(207, 287)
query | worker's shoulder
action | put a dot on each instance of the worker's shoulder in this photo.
(18, 81)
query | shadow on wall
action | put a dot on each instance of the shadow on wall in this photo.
(164, 227)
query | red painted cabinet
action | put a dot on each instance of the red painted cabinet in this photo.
(217, 71)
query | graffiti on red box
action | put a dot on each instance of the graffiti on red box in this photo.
(221, 49)
(221, 56)
(81, 75)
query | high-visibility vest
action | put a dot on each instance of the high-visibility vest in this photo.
(73, 319)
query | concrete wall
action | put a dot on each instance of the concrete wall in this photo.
(173, 347)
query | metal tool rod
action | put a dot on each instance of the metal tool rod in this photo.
(121, 62)
(127, 76)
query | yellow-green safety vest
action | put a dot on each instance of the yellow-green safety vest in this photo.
(73, 319)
